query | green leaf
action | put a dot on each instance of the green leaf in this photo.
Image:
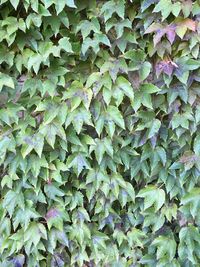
(34, 233)
(162, 154)
(149, 88)
(14, 3)
(116, 116)
(53, 192)
(6, 80)
(110, 7)
(49, 131)
(197, 145)
(70, 3)
(166, 247)
(125, 86)
(189, 243)
(152, 197)
(12, 200)
(146, 3)
(78, 161)
(65, 44)
(165, 6)
(35, 61)
(154, 128)
(136, 238)
(191, 200)
(145, 70)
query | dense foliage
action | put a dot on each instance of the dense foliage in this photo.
(99, 133)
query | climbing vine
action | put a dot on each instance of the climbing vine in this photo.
(99, 133)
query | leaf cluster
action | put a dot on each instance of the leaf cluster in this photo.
(99, 133)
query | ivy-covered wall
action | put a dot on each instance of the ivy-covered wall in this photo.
(99, 133)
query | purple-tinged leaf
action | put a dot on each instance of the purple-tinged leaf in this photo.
(170, 32)
(52, 213)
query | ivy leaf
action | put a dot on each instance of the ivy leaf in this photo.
(149, 88)
(65, 44)
(136, 238)
(49, 131)
(147, 3)
(166, 7)
(79, 117)
(183, 25)
(145, 70)
(87, 26)
(6, 80)
(116, 116)
(187, 8)
(35, 142)
(71, 3)
(170, 212)
(152, 197)
(191, 200)
(14, 3)
(166, 247)
(19, 260)
(34, 233)
(167, 66)
(78, 161)
(189, 243)
(53, 192)
(119, 26)
(12, 200)
(35, 61)
(98, 38)
(125, 86)
(111, 7)
(23, 217)
(162, 154)
(154, 128)
(197, 145)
